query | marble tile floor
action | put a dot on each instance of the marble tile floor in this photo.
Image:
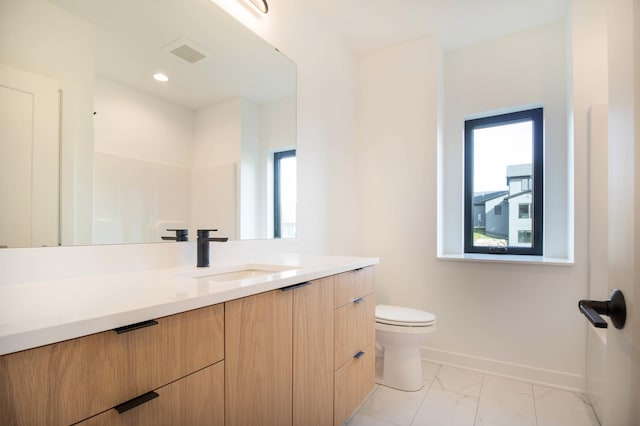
(458, 397)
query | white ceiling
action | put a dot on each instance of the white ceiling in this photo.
(366, 25)
(131, 45)
(131, 37)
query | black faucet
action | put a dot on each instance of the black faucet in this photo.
(181, 235)
(203, 246)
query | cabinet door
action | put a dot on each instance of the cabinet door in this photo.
(353, 285)
(195, 400)
(313, 353)
(258, 360)
(69, 381)
(353, 382)
(354, 328)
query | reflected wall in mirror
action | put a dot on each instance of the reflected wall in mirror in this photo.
(93, 150)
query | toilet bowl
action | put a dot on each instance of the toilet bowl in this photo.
(400, 331)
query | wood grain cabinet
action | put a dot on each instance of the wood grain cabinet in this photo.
(354, 355)
(197, 399)
(70, 381)
(313, 343)
(258, 350)
(301, 355)
(279, 357)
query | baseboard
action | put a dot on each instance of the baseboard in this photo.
(556, 379)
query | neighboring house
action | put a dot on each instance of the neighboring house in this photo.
(519, 199)
(507, 214)
(490, 213)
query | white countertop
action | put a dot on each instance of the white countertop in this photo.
(40, 313)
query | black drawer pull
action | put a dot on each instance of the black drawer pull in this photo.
(359, 300)
(133, 403)
(293, 287)
(358, 355)
(136, 326)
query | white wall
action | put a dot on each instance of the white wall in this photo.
(522, 70)
(133, 124)
(397, 116)
(250, 171)
(326, 132)
(136, 201)
(513, 319)
(39, 37)
(144, 149)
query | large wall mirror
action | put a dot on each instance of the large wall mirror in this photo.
(94, 150)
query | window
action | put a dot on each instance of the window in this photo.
(284, 197)
(503, 156)
(524, 236)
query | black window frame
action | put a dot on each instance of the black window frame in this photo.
(536, 115)
(277, 157)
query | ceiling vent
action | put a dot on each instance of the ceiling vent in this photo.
(187, 51)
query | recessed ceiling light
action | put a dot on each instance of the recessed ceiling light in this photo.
(160, 77)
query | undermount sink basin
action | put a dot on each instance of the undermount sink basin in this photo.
(240, 275)
(241, 272)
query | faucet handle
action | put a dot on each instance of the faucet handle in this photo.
(204, 233)
(181, 235)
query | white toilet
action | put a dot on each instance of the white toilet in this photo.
(400, 331)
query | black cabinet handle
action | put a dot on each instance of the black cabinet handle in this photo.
(136, 326)
(293, 287)
(358, 355)
(133, 403)
(359, 300)
(615, 308)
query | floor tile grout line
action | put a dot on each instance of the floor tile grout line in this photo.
(475, 419)
(485, 386)
(588, 403)
(421, 402)
(535, 406)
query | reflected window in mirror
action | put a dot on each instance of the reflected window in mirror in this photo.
(284, 187)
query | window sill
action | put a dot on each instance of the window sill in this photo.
(505, 258)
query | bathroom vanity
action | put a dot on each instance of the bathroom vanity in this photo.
(284, 342)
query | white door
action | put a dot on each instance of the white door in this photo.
(622, 372)
(29, 158)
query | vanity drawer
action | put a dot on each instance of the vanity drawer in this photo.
(353, 382)
(354, 328)
(195, 400)
(72, 380)
(352, 285)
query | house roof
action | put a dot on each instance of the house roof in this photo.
(518, 194)
(483, 197)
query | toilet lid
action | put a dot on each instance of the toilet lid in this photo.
(399, 315)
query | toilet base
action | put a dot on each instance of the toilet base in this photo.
(402, 369)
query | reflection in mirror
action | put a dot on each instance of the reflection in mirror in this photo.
(94, 150)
